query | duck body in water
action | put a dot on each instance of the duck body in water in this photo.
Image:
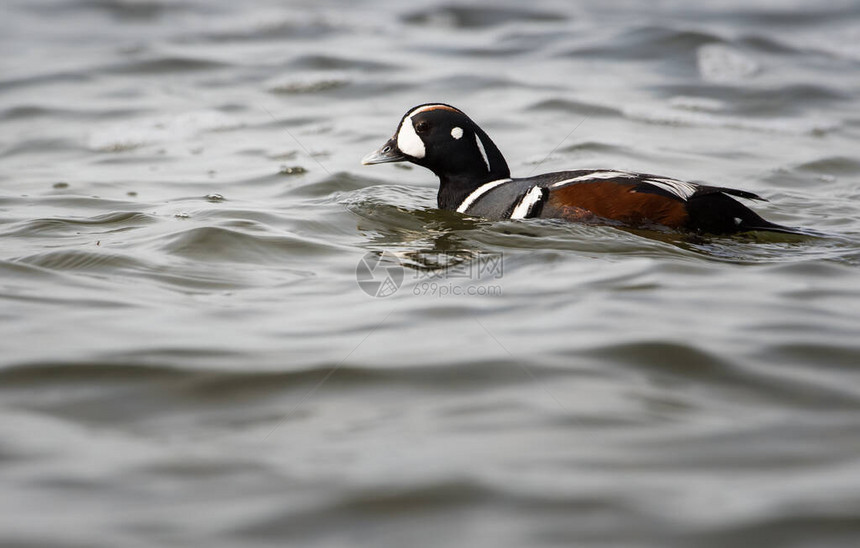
(474, 179)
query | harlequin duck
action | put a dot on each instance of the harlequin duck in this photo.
(474, 179)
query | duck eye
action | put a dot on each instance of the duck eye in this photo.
(422, 126)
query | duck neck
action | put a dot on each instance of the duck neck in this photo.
(454, 189)
(463, 177)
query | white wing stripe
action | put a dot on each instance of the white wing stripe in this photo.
(680, 189)
(596, 175)
(478, 192)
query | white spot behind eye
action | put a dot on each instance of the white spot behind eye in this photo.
(457, 132)
(408, 141)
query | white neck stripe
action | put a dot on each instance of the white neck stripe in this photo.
(478, 192)
(483, 152)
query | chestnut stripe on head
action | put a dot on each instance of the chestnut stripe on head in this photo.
(425, 108)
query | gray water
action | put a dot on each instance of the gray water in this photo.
(187, 359)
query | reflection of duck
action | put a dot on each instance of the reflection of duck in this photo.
(474, 179)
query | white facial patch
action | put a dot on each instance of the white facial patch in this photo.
(457, 132)
(408, 141)
(483, 152)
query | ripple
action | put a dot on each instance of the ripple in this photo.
(332, 185)
(38, 145)
(291, 28)
(230, 245)
(120, 9)
(687, 362)
(351, 84)
(762, 103)
(51, 77)
(768, 44)
(363, 505)
(650, 43)
(792, 14)
(721, 63)
(831, 354)
(160, 387)
(332, 62)
(467, 82)
(118, 220)
(798, 527)
(180, 318)
(164, 65)
(130, 135)
(677, 117)
(12, 269)
(833, 165)
(36, 375)
(30, 111)
(579, 107)
(92, 261)
(468, 17)
(681, 359)
(601, 149)
(319, 73)
(308, 83)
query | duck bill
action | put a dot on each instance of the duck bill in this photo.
(388, 153)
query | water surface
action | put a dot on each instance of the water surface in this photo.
(187, 358)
